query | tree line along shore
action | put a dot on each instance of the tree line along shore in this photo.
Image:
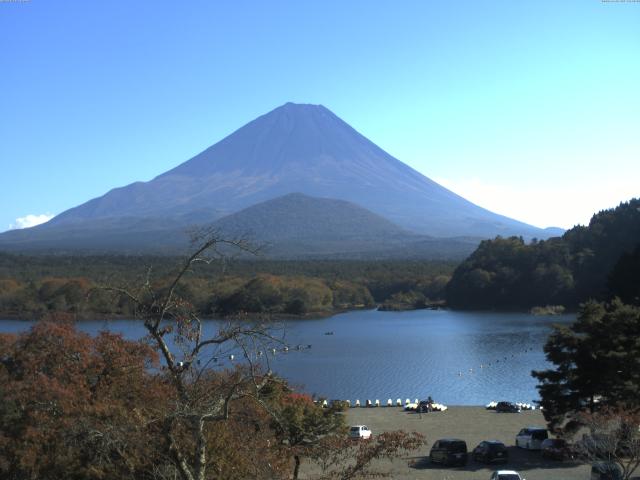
(599, 262)
(33, 286)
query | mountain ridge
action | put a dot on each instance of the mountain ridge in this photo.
(291, 226)
(299, 148)
(308, 149)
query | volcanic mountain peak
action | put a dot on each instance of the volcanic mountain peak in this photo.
(291, 137)
(299, 148)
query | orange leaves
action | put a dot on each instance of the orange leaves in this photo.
(62, 387)
(295, 397)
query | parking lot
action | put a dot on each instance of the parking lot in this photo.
(472, 424)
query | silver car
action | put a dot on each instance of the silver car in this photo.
(531, 438)
(506, 475)
(360, 431)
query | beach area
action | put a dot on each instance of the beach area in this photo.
(472, 424)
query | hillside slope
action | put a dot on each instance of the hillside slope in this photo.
(291, 226)
(306, 149)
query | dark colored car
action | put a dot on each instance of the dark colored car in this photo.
(449, 451)
(339, 404)
(507, 407)
(605, 471)
(425, 406)
(555, 448)
(490, 451)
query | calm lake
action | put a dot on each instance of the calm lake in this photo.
(459, 358)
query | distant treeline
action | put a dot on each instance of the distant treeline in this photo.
(32, 286)
(598, 262)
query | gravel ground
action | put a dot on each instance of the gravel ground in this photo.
(472, 424)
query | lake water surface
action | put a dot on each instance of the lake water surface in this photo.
(459, 358)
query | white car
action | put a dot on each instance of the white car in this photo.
(360, 431)
(531, 438)
(506, 475)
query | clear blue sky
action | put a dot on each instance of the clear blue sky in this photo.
(529, 108)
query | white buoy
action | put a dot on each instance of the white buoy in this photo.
(325, 404)
(389, 403)
(357, 403)
(417, 401)
(377, 403)
(368, 403)
(231, 357)
(348, 403)
(398, 403)
(407, 402)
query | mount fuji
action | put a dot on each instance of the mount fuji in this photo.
(296, 148)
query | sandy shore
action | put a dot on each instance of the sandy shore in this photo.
(472, 424)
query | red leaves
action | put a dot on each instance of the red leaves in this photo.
(58, 386)
(295, 397)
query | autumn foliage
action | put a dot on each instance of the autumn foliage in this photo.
(76, 407)
(73, 406)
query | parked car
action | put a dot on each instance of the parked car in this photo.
(606, 471)
(360, 432)
(490, 451)
(449, 451)
(507, 407)
(555, 448)
(531, 438)
(425, 406)
(506, 475)
(339, 404)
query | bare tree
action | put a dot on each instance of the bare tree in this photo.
(613, 438)
(202, 395)
(342, 458)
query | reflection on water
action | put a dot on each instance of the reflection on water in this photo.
(459, 358)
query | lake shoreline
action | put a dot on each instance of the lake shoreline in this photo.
(466, 358)
(248, 316)
(315, 315)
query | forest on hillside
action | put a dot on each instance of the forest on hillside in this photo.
(599, 261)
(33, 286)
